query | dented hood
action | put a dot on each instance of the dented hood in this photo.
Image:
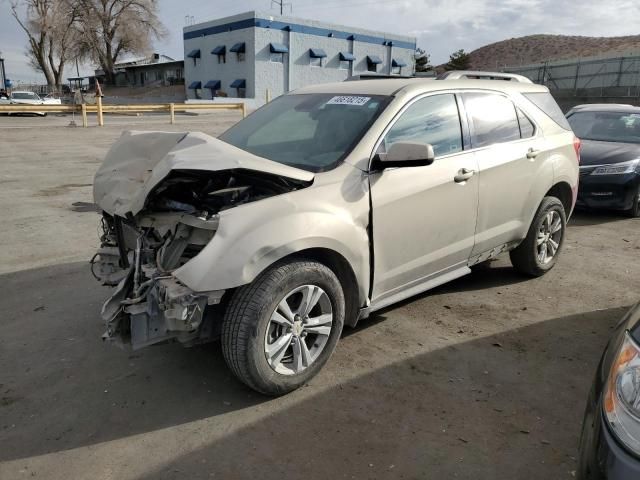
(138, 161)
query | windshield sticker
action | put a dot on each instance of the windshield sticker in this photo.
(349, 100)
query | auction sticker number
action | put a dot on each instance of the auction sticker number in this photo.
(349, 100)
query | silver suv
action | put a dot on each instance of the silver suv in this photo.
(325, 205)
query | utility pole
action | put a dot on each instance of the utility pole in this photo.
(3, 74)
(282, 4)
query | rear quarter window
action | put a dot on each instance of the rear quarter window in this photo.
(545, 102)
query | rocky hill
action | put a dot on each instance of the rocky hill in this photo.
(540, 48)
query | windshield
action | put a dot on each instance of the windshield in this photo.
(24, 96)
(313, 132)
(623, 127)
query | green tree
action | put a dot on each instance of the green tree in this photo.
(422, 61)
(459, 60)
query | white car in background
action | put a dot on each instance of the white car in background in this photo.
(31, 98)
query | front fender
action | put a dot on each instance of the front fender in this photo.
(252, 237)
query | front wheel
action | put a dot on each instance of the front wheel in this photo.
(538, 252)
(634, 211)
(281, 329)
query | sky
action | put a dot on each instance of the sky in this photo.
(440, 26)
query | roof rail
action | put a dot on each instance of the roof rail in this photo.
(477, 75)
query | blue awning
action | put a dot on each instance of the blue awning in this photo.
(317, 53)
(195, 85)
(374, 59)
(237, 48)
(194, 53)
(239, 83)
(219, 50)
(213, 84)
(398, 63)
(347, 57)
(278, 48)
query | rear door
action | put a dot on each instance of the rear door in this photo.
(424, 218)
(511, 157)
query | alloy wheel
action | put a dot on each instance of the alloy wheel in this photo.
(298, 330)
(549, 237)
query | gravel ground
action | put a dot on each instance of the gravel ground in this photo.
(483, 378)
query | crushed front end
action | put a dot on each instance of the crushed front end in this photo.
(161, 195)
(149, 305)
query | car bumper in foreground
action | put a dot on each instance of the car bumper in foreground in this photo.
(608, 191)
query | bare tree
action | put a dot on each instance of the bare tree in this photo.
(53, 42)
(111, 28)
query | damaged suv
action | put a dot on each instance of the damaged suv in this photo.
(327, 204)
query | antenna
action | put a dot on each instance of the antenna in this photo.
(282, 4)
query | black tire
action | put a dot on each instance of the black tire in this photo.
(634, 211)
(248, 314)
(524, 258)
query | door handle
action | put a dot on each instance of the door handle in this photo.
(532, 154)
(463, 175)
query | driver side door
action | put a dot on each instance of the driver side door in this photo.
(424, 218)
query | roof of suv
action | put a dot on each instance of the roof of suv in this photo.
(417, 85)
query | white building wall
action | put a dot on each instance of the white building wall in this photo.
(262, 74)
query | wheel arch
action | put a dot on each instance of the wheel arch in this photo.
(563, 192)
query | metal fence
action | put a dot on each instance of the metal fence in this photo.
(592, 77)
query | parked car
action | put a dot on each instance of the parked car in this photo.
(610, 156)
(31, 98)
(610, 440)
(327, 204)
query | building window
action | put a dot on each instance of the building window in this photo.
(196, 86)
(346, 59)
(195, 54)
(239, 50)
(396, 66)
(277, 52)
(372, 63)
(221, 52)
(315, 57)
(240, 85)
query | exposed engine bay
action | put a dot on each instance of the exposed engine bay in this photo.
(138, 252)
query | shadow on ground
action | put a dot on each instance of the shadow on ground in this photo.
(501, 407)
(587, 218)
(473, 405)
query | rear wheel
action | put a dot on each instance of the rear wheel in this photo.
(281, 329)
(539, 251)
(634, 211)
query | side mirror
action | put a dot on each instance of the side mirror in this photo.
(404, 154)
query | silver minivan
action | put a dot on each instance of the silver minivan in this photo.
(329, 203)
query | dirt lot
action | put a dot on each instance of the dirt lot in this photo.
(484, 378)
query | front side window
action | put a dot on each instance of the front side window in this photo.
(432, 120)
(311, 131)
(622, 127)
(494, 119)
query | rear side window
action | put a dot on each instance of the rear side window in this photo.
(527, 128)
(494, 119)
(545, 102)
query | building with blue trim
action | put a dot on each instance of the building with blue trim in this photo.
(248, 54)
